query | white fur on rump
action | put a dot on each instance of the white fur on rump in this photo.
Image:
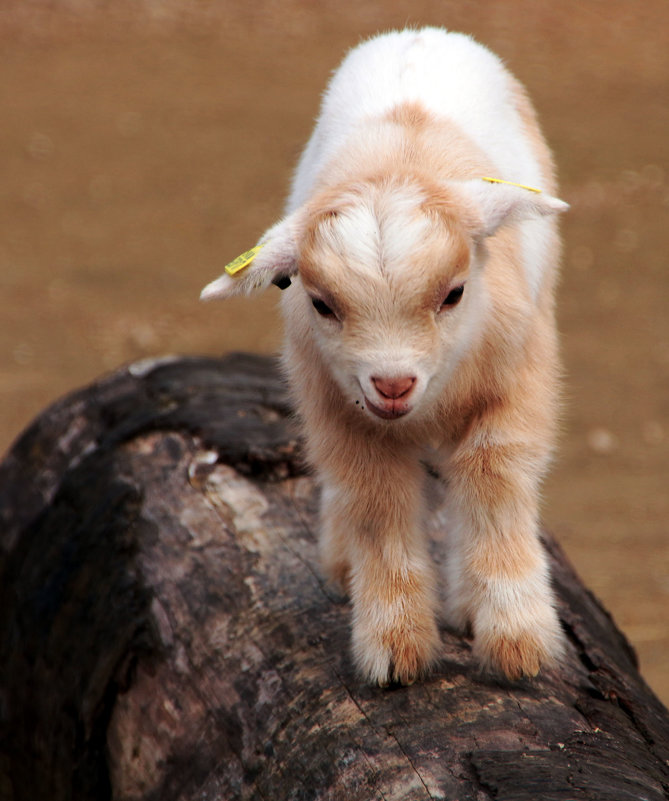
(449, 73)
(420, 318)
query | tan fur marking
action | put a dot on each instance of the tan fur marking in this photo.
(517, 657)
(533, 133)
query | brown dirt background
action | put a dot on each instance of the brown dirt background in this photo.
(144, 144)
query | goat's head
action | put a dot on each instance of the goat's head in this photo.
(388, 274)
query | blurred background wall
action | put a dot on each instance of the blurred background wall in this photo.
(144, 144)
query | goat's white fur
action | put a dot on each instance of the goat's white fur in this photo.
(388, 217)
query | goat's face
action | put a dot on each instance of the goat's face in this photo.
(389, 279)
(393, 295)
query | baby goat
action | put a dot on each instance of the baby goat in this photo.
(420, 325)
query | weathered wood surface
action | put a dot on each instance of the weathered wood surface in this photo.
(165, 634)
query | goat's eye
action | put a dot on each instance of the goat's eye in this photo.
(453, 297)
(322, 308)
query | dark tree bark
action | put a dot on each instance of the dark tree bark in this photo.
(165, 633)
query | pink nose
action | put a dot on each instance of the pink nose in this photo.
(394, 387)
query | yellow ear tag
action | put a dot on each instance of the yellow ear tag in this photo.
(511, 183)
(243, 260)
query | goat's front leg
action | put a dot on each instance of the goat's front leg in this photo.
(497, 571)
(372, 541)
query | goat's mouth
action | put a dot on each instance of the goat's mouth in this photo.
(391, 409)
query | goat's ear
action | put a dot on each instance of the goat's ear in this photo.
(496, 203)
(273, 262)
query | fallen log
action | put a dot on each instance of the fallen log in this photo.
(165, 632)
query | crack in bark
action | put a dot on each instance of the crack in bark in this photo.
(411, 762)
